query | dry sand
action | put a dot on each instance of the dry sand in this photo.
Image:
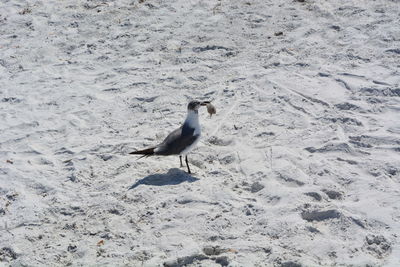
(299, 167)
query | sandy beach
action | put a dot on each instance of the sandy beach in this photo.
(300, 166)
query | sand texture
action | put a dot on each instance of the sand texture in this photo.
(299, 167)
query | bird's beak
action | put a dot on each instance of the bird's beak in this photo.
(205, 103)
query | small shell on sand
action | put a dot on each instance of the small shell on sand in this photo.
(211, 109)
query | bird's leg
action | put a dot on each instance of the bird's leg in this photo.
(187, 164)
(180, 158)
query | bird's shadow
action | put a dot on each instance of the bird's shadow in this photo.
(172, 177)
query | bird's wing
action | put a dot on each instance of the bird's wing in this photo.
(176, 142)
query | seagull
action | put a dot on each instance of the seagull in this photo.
(182, 140)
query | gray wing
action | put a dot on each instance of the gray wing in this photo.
(176, 142)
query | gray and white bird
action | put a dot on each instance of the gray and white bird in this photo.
(182, 140)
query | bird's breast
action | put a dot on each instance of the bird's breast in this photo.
(192, 122)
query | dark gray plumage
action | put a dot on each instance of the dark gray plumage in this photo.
(177, 141)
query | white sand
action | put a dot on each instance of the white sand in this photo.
(299, 167)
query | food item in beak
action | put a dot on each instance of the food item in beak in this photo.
(211, 109)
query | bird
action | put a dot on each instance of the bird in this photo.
(182, 140)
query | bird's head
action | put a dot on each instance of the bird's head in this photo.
(195, 105)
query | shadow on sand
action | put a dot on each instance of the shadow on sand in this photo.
(172, 177)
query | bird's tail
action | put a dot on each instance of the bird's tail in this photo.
(145, 152)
